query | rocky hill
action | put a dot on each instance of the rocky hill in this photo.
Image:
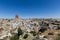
(29, 29)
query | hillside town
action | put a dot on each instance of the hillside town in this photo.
(30, 29)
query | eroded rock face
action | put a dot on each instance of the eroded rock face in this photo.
(10, 26)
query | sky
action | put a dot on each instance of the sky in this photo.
(30, 8)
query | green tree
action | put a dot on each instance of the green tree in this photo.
(20, 32)
(15, 37)
(34, 33)
(58, 38)
(25, 36)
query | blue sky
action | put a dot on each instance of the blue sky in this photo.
(30, 8)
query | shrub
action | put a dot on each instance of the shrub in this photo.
(58, 34)
(19, 32)
(15, 37)
(25, 36)
(33, 32)
(43, 29)
(58, 38)
(50, 34)
(45, 37)
(36, 39)
(58, 28)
